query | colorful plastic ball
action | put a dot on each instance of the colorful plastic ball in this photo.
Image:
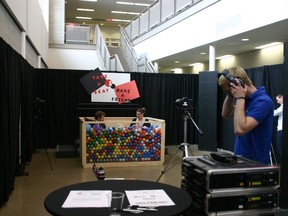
(88, 128)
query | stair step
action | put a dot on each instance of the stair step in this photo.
(119, 53)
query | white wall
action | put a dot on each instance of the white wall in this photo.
(74, 59)
(31, 17)
(268, 56)
(110, 32)
(19, 9)
(221, 20)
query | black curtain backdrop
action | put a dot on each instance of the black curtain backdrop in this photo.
(62, 91)
(158, 94)
(13, 98)
(27, 111)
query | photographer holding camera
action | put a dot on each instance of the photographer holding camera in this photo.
(252, 112)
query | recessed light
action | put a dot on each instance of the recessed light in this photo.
(195, 64)
(85, 9)
(131, 3)
(224, 56)
(118, 20)
(177, 70)
(268, 45)
(245, 39)
(89, 0)
(133, 13)
(124, 3)
(202, 53)
(142, 4)
(177, 62)
(119, 12)
(88, 18)
(125, 12)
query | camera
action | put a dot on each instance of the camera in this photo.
(184, 103)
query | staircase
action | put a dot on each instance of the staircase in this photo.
(118, 51)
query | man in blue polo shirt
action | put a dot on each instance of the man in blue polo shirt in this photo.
(252, 112)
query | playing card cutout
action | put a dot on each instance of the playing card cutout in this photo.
(93, 80)
(126, 92)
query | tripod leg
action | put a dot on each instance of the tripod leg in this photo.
(169, 164)
(49, 159)
(186, 151)
(273, 153)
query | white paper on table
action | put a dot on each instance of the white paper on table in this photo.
(148, 198)
(88, 199)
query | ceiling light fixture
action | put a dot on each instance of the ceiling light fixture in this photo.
(195, 64)
(124, 12)
(119, 20)
(245, 39)
(224, 56)
(177, 70)
(124, 3)
(142, 4)
(85, 9)
(89, 0)
(268, 45)
(133, 13)
(131, 3)
(119, 12)
(86, 18)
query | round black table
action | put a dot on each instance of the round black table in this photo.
(55, 200)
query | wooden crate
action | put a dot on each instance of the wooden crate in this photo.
(121, 145)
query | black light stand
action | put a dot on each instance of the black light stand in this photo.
(37, 115)
(184, 145)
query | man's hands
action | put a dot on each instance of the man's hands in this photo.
(237, 90)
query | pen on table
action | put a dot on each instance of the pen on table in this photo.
(128, 210)
(144, 208)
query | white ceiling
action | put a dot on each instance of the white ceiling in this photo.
(232, 45)
(277, 32)
(102, 11)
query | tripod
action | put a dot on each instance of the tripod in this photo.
(37, 116)
(184, 145)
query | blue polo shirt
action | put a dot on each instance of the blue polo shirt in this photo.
(256, 144)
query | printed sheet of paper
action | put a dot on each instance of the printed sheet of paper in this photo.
(88, 199)
(149, 198)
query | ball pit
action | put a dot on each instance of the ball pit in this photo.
(123, 144)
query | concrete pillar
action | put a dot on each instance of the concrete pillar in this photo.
(211, 58)
(56, 21)
(156, 67)
(39, 61)
(23, 44)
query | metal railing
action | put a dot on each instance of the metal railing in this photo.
(110, 62)
(158, 13)
(91, 34)
(136, 64)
